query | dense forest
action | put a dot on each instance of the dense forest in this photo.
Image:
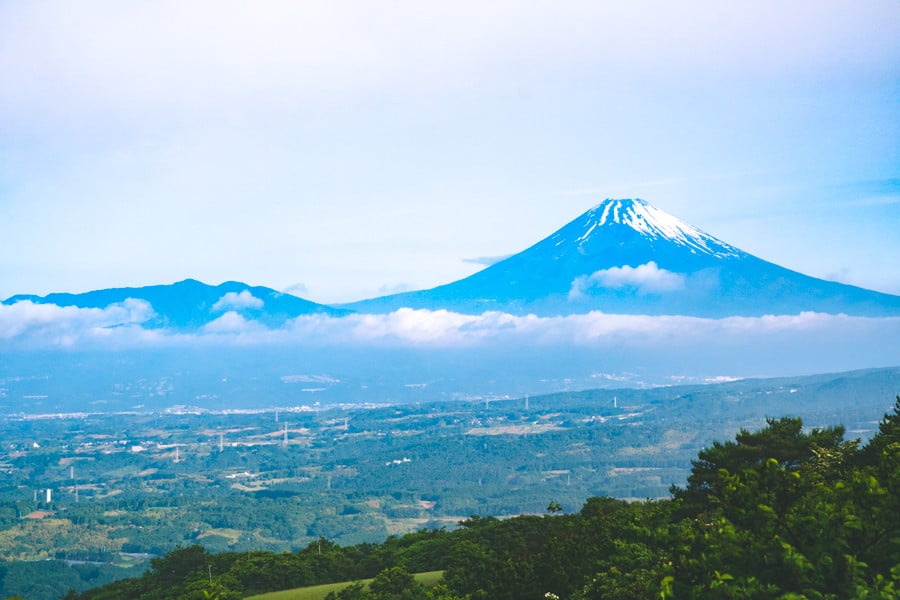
(782, 512)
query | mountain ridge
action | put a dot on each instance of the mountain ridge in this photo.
(190, 304)
(622, 256)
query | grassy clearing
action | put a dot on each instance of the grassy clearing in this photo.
(318, 592)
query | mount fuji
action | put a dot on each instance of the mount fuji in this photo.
(626, 256)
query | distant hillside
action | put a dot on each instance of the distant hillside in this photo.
(189, 305)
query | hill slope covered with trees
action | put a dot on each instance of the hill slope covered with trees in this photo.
(782, 512)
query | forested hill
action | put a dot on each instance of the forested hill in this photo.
(782, 512)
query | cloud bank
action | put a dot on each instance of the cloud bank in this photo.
(48, 325)
(27, 325)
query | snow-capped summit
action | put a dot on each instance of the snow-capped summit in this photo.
(626, 256)
(650, 222)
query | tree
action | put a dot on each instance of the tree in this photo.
(888, 434)
(354, 591)
(782, 441)
(173, 569)
(442, 592)
(396, 583)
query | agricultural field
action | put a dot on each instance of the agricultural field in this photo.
(319, 592)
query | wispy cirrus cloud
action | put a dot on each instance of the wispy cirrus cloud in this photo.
(486, 261)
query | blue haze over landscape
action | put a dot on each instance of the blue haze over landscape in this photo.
(324, 182)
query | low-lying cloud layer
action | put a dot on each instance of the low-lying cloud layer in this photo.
(48, 325)
(29, 325)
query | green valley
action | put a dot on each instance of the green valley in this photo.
(100, 494)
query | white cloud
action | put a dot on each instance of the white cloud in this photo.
(444, 328)
(48, 324)
(645, 279)
(803, 340)
(233, 300)
(232, 322)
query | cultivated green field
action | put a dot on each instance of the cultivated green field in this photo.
(318, 592)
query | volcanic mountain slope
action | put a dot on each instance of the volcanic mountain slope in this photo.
(188, 305)
(626, 256)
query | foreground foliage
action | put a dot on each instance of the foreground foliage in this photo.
(777, 513)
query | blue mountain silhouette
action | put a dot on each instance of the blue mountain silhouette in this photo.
(626, 256)
(190, 304)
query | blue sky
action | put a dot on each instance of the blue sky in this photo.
(345, 150)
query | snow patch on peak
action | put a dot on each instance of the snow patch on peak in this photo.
(653, 223)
